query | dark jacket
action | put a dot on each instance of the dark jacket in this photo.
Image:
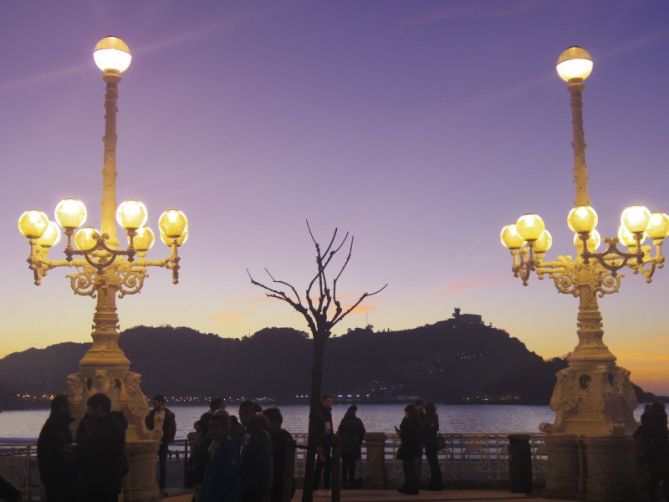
(430, 427)
(101, 454)
(281, 448)
(410, 435)
(257, 459)
(351, 432)
(324, 428)
(222, 477)
(652, 447)
(169, 425)
(55, 469)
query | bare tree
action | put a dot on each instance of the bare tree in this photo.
(322, 310)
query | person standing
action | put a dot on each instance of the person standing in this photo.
(56, 468)
(351, 432)
(221, 476)
(431, 443)
(161, 418)
(410, 449)
(215, 404)
(101, 451)
(256, 454)
(324, 443)
(652, 448)
(281, 449)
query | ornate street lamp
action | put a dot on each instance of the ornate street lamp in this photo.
(593, 397)
(103, 270)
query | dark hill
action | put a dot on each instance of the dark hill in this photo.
(448, 361)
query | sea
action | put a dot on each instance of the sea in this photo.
(470, 418)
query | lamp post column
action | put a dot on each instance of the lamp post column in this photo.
(578, 144)
(108, 202)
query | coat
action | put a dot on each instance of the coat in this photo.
(257, 460)
(169, 425)
(57, 472)
(101, 454)
(352, 433)
(281, 448)
(410, 435)
(222, 477)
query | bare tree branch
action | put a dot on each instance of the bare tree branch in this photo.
(341, 316)
(297, 295)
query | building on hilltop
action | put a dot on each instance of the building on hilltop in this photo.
(461, 319)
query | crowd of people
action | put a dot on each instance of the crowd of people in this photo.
(248, 459)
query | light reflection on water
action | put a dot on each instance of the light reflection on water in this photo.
(376, 417)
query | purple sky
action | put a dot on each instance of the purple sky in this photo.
(421, 127)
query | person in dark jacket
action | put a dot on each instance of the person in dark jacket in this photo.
(221, 477)
(351, 432)
(256, 454)
(652, 448)
(324, 443)
(163, 419)
(282, 448)
(56, 468)
(101, 451)
(410, 449)
(431, 443)
(214, 405)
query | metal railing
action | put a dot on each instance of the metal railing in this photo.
(466, 458)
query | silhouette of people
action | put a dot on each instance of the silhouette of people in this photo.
(256, 454)
(56, 466)
(410, 449)
(281, 448)
(431, 443)
(222, 477)
(652, 448)
(351, 432)
(101, 451)
(325, 435)
(161, 418)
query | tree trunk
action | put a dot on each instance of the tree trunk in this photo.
(314, 409)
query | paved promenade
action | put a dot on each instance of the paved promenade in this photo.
(426, 496)
(394, 496)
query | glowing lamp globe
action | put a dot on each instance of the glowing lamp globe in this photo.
(530, 227)
(574, 64)
(544, 242)
(582, 219)
(70, 213)
(593, 242)
(180, 241)
(144, 239)
(627, 238)
(173, 223)
(131, 214)
(658, 228)
(33, 224)
(51, 235)
(86, 238)
(635, 219)
(510, 237)
(112, 55)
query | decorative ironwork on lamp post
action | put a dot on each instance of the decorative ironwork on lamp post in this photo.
(104, 271)
(593, 396)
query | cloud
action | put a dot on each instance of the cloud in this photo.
(476, 9)
(471, 283)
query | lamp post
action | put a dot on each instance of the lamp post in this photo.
(593, 398)
(104, 271)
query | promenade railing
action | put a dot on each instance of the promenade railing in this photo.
(466, 460)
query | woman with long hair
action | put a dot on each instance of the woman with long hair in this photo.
(431, 443)
(410, 449)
